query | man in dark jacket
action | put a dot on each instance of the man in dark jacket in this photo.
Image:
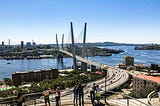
(20, 98)
(75, 92)
(80, 94)
(92, 93)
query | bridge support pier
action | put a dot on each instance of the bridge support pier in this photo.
(83, 66)
(60, 56)
(93, 68)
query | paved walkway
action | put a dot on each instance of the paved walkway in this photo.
(119, 102)
(66, 103)
(155, 102)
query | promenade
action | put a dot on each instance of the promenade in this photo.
(115, 102)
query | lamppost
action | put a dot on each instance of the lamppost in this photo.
(105, 69)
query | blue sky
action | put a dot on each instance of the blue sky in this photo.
(124, 21)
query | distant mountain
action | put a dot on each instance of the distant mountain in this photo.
(110, 44)
(106, 44)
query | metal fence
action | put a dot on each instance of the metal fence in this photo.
(37, 98)
(30, 99)
(153, 98)
(129, 101)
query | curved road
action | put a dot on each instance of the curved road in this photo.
(116, 77)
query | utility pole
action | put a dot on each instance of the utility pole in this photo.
(105, 69)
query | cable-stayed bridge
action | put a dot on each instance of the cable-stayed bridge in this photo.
(122, 75)
(115, 77)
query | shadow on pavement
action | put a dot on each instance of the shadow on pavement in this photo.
(98, 104)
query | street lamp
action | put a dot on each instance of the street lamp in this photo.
(105, 68)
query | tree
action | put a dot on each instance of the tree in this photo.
(34, 53)
(35, 88)
(8, 81)
(2, 82)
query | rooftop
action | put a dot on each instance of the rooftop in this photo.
(151, 78)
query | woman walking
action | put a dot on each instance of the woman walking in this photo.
(57, 97)
(75, 92)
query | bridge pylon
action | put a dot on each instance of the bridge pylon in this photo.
(59, 54)
(62, 41)
(73, 48)
(84, 65)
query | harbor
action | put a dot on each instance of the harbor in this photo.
(141, 57)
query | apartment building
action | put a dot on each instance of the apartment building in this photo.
(35, 76)
(142, 81)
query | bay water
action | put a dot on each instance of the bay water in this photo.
(146, 57)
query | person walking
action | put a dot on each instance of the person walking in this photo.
(20, 98)
(98, 94)
(57, 97)
(46, 96)
(75, 92)
(92, 93)
(81, 94)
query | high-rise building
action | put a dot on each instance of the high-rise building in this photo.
(33, 44)
(22, 44)
(28, 45)
(129, 61)
(2, 43)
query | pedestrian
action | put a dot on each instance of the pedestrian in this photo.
(46, 96)
(20, 98)
(92, 93)
(57, 97)
(81, 94)
(98, 93)
(75, 92)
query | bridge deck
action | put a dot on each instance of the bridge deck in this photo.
(82, 59)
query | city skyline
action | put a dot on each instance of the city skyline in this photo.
(122, 21)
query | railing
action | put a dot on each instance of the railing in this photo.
(30, 99)
(153, 98)
(8, 101)
(37, 98)
(129, 101)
